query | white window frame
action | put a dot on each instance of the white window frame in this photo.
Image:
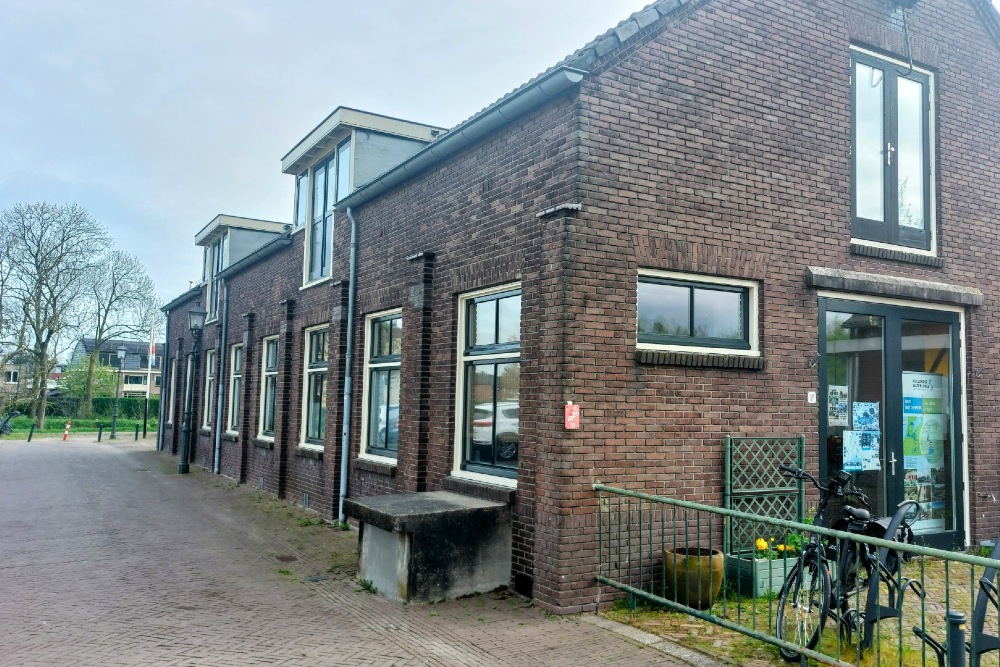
(331, 159)
(12, 377)
(173, 391)
(212, 269)
(306, 373)
(932, 183)
(366, 383)
(753, 300)
(235, 387)
(209, 387)
(458, 449)
(264, 375)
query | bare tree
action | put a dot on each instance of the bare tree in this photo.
(119, 305)
(49, 252)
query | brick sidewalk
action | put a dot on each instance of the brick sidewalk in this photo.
(109, 558)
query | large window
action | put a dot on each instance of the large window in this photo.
(302, 199)
(490, 356)
(172, 390)
(209, 389)
(314, 408)
(11, 377)
(688, 312)
(216, 255)
(383, 352)
(891, 152)
(331, 183)
(269, 386)
(235, 386)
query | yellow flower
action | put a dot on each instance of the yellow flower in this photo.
(761, 544)
(781, 547)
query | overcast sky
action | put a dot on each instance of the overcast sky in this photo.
(156, 116)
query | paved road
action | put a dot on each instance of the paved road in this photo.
(107, 557)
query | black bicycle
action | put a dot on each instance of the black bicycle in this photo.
(5, 423)
(809, 594)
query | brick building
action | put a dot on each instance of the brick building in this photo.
(720, 217)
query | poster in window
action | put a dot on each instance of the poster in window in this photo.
(837, 405)
(852, 451)
(866, 416)
(925, 439)
(871, 446)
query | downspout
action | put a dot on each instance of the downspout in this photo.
(221, 383)
(164, 376)
(345, 434)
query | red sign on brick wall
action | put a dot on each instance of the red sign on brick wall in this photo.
(571, 416)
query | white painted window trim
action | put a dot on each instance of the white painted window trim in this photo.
(173, 391)
(753, 325)
(458, 444)
(366, 384)
(208, 387)
(306, 372)
(316, 282)
(932, 157)
(264, 374)
(233, 375)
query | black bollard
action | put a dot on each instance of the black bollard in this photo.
(137, 432)
(100, 431)
(956, 639)
(31, 431)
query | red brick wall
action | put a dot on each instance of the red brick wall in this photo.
(719, 145)
(722, 147)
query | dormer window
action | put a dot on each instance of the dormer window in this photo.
(331, 183)
(215, 257)
(301, 199)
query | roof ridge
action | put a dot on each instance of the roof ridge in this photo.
(585, 56)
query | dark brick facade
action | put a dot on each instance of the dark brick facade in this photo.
(715, 140)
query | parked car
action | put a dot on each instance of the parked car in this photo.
(506, 420)
(393, 426)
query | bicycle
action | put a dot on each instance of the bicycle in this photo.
(805, 599)
(5, 424)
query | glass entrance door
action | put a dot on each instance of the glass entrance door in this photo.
(891, 407)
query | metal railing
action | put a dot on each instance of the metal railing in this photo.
(657, 551)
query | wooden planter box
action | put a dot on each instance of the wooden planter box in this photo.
(757, 576)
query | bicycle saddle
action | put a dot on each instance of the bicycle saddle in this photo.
(858, 513)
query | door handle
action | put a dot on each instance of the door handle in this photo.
(892, 462)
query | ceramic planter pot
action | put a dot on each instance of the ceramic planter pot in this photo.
(693, 576)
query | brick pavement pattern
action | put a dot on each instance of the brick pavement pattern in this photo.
(108, 557)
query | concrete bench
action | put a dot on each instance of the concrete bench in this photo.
(423, 547)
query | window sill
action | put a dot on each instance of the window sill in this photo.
(481, 490)
(699, 360)
(262, 443)
(505, 482)
(896, 255)
(231, 436)
(377, 467)
(205, 430)
(316, 282)
(309, 452)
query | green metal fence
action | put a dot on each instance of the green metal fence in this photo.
(646, 542)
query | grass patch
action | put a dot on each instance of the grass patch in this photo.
(368, 586)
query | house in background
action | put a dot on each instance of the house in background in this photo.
(721, 217)
(16, 382)
(136, 374)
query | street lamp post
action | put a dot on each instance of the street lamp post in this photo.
(196, 323)
(118, 381)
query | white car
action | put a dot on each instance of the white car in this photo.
(506, 423)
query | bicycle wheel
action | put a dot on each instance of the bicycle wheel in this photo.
(803, 605)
